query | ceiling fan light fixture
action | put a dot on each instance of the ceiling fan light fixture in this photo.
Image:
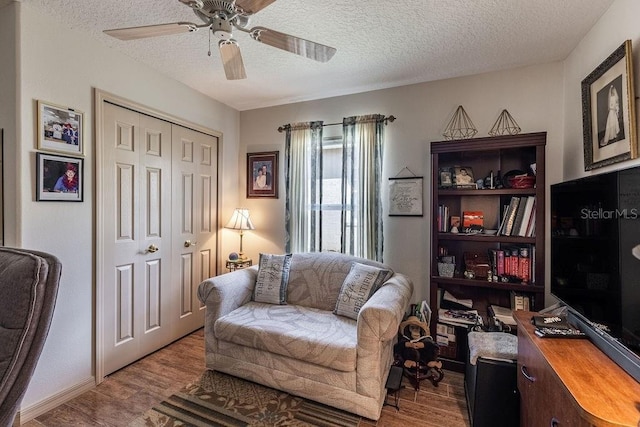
(241, 21)
(221, 29)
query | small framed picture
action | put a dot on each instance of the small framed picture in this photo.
(405, 196)
(60, 129)
(446, 180)
(608, 111)
(262, 175)
(463, 177)
(59, 178)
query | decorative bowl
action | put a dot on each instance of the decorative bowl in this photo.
(522, 181)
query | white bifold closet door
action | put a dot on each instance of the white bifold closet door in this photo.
(158, 232)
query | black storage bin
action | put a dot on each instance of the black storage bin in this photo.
(492, 391)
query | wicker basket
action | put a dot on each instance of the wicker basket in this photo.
(446, 269)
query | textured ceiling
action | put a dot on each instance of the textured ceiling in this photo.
(380, 43)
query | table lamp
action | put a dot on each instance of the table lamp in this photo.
(240, 221)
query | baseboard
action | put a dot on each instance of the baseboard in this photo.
(53, 401)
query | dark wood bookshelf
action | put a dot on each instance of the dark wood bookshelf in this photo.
(485, 156)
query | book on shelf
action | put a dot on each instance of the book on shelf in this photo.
(496, 258)
(520, 301)
(449, 301)
(524, 265)
(445, 334)
(517, 221)
(472, 220)
(513, 264)
(503, 314)
(443, 218)
(518, 217)
(463, 318)
(510, 216)
(531, 226)
(501, 226)
(526, 216)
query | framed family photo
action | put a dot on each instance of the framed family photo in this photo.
(60, 129)
(262, 175)
(463, 177)
(446, 179)
(608, 111)
(59, 178)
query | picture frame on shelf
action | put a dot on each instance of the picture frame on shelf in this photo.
(608, 111)
(405, 196)
(59, 178)
(262, 175)
(60, 129)
(463, 177)
(446, 178)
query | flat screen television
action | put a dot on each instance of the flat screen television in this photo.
(595, 260)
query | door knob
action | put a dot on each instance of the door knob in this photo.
(188, 243)
(152, 249)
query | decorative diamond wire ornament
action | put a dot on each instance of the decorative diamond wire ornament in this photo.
(460, 126)
(505, 125)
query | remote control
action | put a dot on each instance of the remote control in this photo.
(559, 333)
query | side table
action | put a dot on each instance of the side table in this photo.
(238, 264)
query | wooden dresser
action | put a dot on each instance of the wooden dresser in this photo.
(570, 382)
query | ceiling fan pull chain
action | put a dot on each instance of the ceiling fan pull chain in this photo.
(209, 53)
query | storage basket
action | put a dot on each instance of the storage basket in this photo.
(446, 269)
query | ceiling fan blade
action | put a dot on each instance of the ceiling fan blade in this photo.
(293, 44)
(232, 59)
(133, 33)
(253, 6)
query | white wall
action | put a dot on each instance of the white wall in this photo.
(8, 114)
(618, 24)
(63, 66)
(532, 95)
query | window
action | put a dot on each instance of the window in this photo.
(333, 188)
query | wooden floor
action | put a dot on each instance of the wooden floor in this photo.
(130, 392)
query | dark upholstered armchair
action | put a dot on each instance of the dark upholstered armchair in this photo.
(28, 288)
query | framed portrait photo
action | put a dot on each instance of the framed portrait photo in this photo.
(446, 179)
(59, 178)
(463, 177)
(262, 175)
(608, 111)
(60, 129)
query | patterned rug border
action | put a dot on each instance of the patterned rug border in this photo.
(218, 399)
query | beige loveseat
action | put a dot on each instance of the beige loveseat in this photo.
(302, 347)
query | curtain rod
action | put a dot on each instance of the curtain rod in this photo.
(386, 119)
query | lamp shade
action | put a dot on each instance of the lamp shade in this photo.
(240, 220)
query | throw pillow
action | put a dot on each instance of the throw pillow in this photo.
(272, 280)
(361, 282)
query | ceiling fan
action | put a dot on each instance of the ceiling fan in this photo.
(221, 17)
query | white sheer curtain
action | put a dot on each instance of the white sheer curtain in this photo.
(303, 176)
(361, 179)
(354, 194)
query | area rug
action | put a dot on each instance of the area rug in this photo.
(217, 399)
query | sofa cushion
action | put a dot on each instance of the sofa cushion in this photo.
(312, 335)
(272, 280)
(316, 278)
(361, 282)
